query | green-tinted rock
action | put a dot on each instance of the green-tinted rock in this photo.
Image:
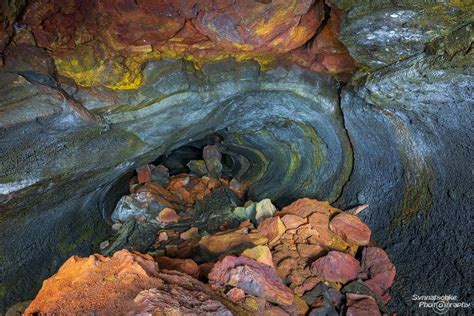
(379, 33)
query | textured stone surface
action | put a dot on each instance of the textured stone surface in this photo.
(361, 305)
(253, 277)
(381, 271)
(379, 33)
(336, 267)
(234, 241)
(293, 221)
(178, 300)
(305, 207)
(187, 266)
(119, 278)
(260, 254)
(351, 228)
(106, 42)
(408, 123)
(419, 110)
(272, 228)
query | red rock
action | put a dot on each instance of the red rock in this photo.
(253, 277)
(144, 174)
(272, 228)
(187, 266)
(185, 196)
(382, 294)
(293, 221)
(305, 207)
(179, 294)
(336, 267)
(298, 290)
(280, 255)
(234, 241)
(286, 266)
(298, 276)
(310, 283)
(380, 270)
(96, 284)
(361, 305)
(304, 232)
(168, 215)
(319, 220)
(235, 294)
(325, 237)
(310, 251)
(164, 196)
(351, 228)
(287, 24)
(327, 52)
(246, 223)
(238, 187)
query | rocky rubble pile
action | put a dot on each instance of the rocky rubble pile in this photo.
(209, 253)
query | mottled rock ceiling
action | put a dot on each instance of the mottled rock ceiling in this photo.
(107, 42)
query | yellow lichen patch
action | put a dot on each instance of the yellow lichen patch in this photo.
(91, 65)
(418, 177)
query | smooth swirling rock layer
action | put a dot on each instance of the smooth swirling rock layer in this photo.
(285, 122)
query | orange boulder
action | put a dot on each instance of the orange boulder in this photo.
(96, 284)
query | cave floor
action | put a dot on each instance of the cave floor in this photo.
(187, 243)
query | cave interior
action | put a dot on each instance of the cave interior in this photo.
(342, 101)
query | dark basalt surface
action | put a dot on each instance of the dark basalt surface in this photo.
(399, 139)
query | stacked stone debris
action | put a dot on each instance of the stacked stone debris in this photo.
(308, 258)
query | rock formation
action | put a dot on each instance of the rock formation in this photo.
(354, 103)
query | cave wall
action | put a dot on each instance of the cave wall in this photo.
(398, 137)
(277, 119)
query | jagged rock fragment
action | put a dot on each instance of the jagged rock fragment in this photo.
(168, 215)
(272, 228)
(128, 208)
(336, 267)
(260, 254)
(361, 305)
(212, 157)
(187, 266)
(380, 270)
(264, 209)
(351, 228)
(236, 294)
(293, 221)
(253, 277)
